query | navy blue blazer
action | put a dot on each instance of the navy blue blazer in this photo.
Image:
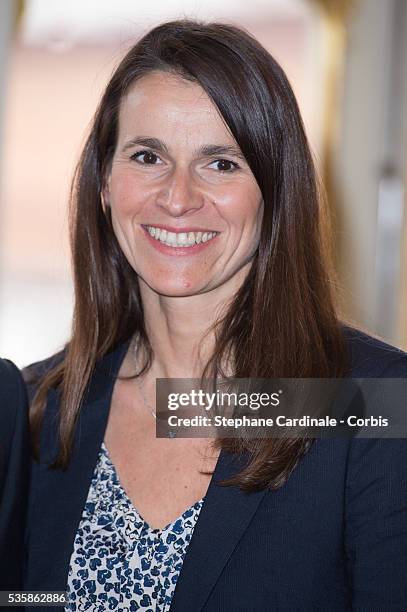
(333, 538)
(14, 470)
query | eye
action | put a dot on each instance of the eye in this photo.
(147, 158)
(225, 165)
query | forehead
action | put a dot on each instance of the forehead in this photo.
(163, 103)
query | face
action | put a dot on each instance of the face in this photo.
(186, 208)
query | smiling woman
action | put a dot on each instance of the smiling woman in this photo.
(198, 252)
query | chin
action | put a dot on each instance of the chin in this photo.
(176, 289)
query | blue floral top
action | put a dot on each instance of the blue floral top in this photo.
(119, 562)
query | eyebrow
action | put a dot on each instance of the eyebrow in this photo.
(208, 150)
(212, 149)
(152, 143)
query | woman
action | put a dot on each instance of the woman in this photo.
(14, 464)
(197, 251)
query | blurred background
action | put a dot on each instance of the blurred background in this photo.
(347, 63)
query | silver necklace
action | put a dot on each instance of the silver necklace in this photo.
(171, 433)
(146, 403)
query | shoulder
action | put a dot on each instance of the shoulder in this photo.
(371, 356)
(103, 373)
(37, 370)
(34, 373)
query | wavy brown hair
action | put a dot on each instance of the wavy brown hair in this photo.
(282, 322)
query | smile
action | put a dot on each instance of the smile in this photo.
(179, 239)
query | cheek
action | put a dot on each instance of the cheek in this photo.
(242, 207)
(125, 195)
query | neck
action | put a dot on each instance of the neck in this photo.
(178, 329)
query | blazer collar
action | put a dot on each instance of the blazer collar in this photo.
(60, 497)
(223, 519)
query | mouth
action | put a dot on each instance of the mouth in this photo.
(183, 239)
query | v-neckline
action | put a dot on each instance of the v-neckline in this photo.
(146, 524)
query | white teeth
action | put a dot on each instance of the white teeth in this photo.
(181, 239)
(171, 238)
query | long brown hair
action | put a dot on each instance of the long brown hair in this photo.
(282, 322)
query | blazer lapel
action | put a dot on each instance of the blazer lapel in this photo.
(59, 496)
(224, 517)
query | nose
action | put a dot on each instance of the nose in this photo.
(179, 195)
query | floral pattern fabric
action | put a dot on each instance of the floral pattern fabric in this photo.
(119, 562)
